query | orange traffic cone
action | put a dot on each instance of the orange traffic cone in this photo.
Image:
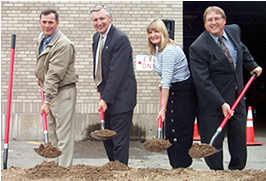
(196, 136)
(250, 129)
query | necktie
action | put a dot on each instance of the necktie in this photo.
(226, 51)
(98, 71)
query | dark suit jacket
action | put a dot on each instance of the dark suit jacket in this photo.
(118, 87)
(215, 79)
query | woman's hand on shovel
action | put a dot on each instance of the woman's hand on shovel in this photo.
(162, 114)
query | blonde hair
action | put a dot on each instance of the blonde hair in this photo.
(216, 9)
(158, 25)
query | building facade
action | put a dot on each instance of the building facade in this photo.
(132, 17)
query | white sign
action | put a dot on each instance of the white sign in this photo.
(145, 62)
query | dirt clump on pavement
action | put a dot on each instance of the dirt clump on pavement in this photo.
(201, 150)
(103, 134)
(47, 150)
(156, 145)
(116, 171)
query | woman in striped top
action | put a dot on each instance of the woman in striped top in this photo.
(177, 91)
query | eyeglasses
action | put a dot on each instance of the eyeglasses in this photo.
(209, 20)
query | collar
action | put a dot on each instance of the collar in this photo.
(48, 39)
(106, 33)
(225, 36)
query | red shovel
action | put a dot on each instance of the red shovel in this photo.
(45, 129)
(159, 144)
(102, 134)
(8, 109)
(204, 150)
(220, 128)
(46, 150)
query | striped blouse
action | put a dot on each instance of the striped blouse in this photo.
(171, 64)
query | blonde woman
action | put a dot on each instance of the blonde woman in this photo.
(178, 94)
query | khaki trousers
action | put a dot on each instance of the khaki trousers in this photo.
(60, 120)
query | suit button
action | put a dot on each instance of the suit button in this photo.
(236, 87)
(173, 130)
(173, 93)
(172, 101)
(172, 111)
(174, 139)
(172, 120)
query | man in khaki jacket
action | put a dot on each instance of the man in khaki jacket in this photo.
(55, 72)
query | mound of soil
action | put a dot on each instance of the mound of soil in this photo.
(116, 171)
(201, 150)
(156, 145)
(103, 134)
(47, 151)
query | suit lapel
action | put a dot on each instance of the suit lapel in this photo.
(212, 45)
(109, 38)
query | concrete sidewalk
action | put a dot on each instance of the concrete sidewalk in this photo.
(21, 154)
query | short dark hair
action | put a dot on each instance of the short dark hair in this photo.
(49, 11)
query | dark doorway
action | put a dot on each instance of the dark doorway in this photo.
(251, 17)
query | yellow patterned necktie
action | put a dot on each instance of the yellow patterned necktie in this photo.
(98, 72)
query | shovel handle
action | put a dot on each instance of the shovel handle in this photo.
(44, 116)
(244, 90)
(9, 97)
(102, 117)
(227, 117)
(160, 120)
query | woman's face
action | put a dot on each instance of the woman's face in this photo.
(155, 37)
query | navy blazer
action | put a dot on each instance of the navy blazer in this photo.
(118, 87)
(216, 81)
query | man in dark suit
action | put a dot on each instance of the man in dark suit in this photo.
(218, 77)
(115, 79)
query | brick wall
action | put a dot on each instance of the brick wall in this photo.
(21, 18)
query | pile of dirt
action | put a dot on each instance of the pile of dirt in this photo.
(47, 151)
(156, 145)
(103, 134)
(201, 150)
(116, 171)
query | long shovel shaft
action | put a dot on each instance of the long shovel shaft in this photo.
(226, 118)
(44, 116)
(102, 118)
(160, 121)
(9, 97)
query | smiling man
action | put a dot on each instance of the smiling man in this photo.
(55, 72)
(217, 58)
(115, 80)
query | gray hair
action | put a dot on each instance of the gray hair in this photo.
(99, 8)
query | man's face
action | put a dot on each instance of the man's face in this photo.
(100, 21)
(214, 23)
(48, 24)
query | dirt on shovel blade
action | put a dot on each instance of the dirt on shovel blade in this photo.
(201, 150)
(47, 151)
(156, 145)
(103, 134)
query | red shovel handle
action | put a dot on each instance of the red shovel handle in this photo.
(8, 109)
(10, 85)
(101, 113)
(244, 90)
(44, 113)
(160, 120)
(226, 118)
